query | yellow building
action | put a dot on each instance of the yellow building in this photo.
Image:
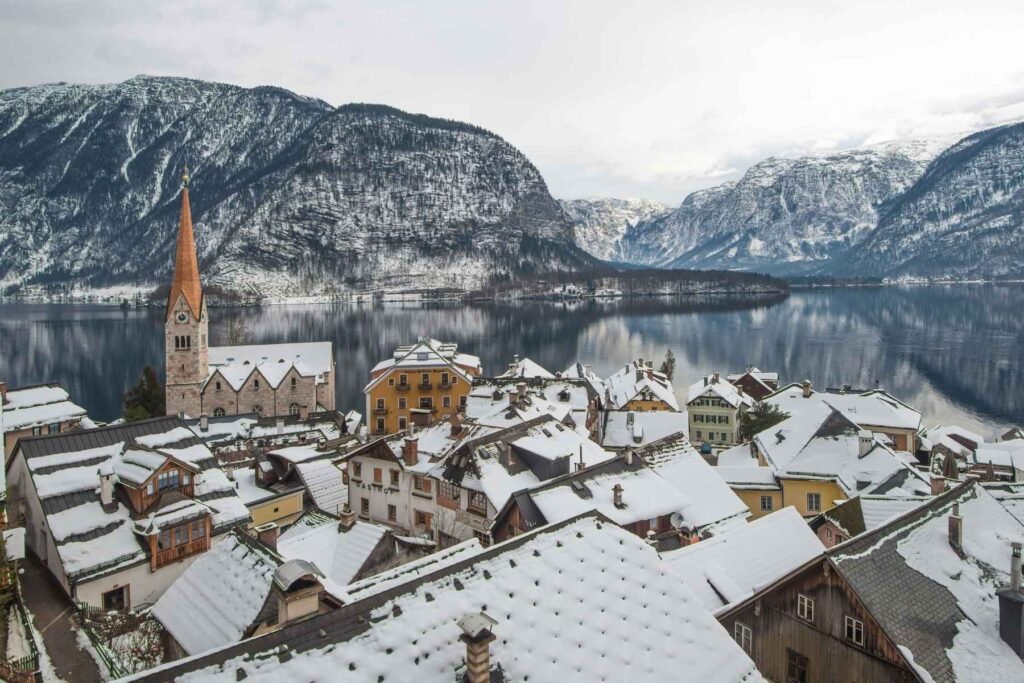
(419, 384)
(640, 388)
(755, 486)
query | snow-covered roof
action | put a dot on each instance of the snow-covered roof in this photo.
(558, 619)
(524, 367)
(715, 387)
(427, 353)
(488, 402)
(580, 371)
(749, 477)
(873, 408)
(731, 566)
(637, 381)
(629, 429)
(218, 598)
(37, 406)
(65, 473)
(1001, 454)
(756, 373)
(337, 552)
(1010, 496)
(396, 576)
(868, 512)
(274, 361)
(325, 485)
(939, 605)
(711, 501)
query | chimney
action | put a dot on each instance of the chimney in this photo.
(347, 518)
(303, 413)
(807, 388)
(476, 634)
(617, 495)
(410, 449)
(938, 484)
(513, 396)
(298, 591)
(639, 375)
(650, 364)
(3, 392)
(580, 465)
(280, 425)
(714, 378)
(204, 423)
(1011, 606)
(510, 456)
(229, 471)
(456, 425)
(628, 456)
(106, 473)
(651, 540)
(267, 534)
(705, 381)
(956, 530)
(521, 390)
(865, 440)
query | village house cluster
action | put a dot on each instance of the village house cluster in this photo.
(530, 523)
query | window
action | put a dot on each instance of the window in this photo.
(37, 431)
(217, 386)
(855, 630)
(446, 401)
(423, 519)
(116, 600)
(402, 424)
(699, 435)
(483, 537)
(402, 403)
(293, 409)
(425, 378)
(478, 502)
(426, 402)
(54, 428)
(198, 529)
(814, 502)
(380, 404)
(168, 479)
(392, 513)
(357, 470)
(181, 534)
(828, 533)
(258, 409)
(255, 384)
(295, 383)
(741, 634)
(150, 489)
(839, 539)
(391, 381)
(403, 379)
(444, 378)
(364, 507)
(448, 492)
(804, 607)
(380, 424)
(186, 478)
(796, 667)
(378, 475)
(767, 503)
(218, 412)
(421, 483)
(163, 539)
(394, 478)
(462, 401)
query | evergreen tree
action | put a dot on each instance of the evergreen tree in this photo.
(668, 366)
(145, 399)
(759, 418)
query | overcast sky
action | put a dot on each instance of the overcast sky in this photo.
(650, 99)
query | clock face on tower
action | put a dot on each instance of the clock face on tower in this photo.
(182, 317)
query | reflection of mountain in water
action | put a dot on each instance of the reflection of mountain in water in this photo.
(954, 352)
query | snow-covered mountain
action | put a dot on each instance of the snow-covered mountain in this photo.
(289, 195)
(783, 215)
(964, 218)
(600, 222)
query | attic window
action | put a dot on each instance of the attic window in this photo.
(422, 355)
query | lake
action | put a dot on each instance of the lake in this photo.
(955, 352)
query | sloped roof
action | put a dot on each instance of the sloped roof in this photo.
(731, 566)
(325, 485)
(524, 367)
(720, 388)
(556, 617)
(426, 353)
(186, 264)
(623, 386)
(627, 429)
(37, 406)
(874, 408)
(217, 600)
(336, 552)
(273, 361)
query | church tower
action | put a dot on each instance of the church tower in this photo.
(186, 323)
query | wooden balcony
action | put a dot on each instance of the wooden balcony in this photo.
(380, 411)
(425, 386)
(403, 386)
(180, 552)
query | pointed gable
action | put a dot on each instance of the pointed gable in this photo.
(186, 264)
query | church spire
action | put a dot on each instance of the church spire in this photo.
(186, 265)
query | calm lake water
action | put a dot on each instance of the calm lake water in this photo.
(956, 352)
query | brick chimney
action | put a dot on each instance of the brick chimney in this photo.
(617, 496)
(521, 390)
(477, 635)
(1011, 605)
(267, 534)
(956, 530)
(3, 392)
(807, 388)
(579, 464)
(938, 484)
(456, 422)
(410, 449)
(347, 517)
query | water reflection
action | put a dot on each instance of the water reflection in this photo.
(952, 351)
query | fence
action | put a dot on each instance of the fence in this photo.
(25, 668)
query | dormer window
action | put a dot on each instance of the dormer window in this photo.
(169, 479)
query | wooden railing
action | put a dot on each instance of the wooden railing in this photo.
(180, 552)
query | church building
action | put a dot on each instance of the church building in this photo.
(269, 379)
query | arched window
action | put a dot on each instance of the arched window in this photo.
(257, 409)
(218, 412)
(293, 409)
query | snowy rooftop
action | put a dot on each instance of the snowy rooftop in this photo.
(870, 408)
(710, 387)
(325, 485)
(1001, 454)
(731, 566)
(581, 371)
(639, 382)
(630, 429)
(868, 512)
(339, 554)
(217, 600)
(427, 353)
(273, 361)
(526, 368)
(1010, 495)
(940, 606)
(749, 477)
(557, 620)
(711, 501)
(38, 406)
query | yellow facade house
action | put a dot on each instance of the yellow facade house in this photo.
(420, 384)
(639, 387)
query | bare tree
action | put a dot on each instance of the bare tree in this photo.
(236, 333)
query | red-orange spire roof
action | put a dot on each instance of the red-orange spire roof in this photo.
(186, 264)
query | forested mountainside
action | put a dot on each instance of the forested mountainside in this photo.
(290, 196)
(600, 222)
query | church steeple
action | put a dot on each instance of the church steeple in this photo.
(186, 264)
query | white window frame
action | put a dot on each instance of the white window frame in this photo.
(742, 634)
(854, 629)
(817, 506)
(805, 607)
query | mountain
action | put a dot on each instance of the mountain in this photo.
(290, 195)
(600, 223)
(963, 218)
(784, 215)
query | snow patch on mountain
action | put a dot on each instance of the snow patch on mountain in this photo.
(600, 223)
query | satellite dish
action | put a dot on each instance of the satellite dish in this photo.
(676, 520)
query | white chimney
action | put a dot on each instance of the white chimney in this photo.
(204, 423)
(865, 441)
(1015, 566)
(106, 473)
(806, 388)
(956, 529)
(629, 456)
(617, 496)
